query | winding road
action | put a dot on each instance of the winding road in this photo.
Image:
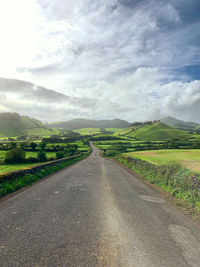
(95, 213)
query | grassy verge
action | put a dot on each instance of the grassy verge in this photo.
(174, 178)
(20, 182)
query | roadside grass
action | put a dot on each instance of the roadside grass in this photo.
(174, 178)
(22, 181)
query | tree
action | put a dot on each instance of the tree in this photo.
(173, 143)
(22, 145)
(15, 155)
(13, 145)
(60, 154)
(71, 150)
(33, 145)
(196, 145)
(41, 155)
(43, 145)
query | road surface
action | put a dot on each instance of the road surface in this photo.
(94, 213)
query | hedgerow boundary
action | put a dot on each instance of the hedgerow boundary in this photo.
(180, 182)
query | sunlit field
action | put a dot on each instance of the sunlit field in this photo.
(13, 167)
(190, 158)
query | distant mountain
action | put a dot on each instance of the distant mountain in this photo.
(179, 124)
(157, 131)
(84, 123)
(12, 124)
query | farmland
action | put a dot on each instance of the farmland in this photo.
(13, 167)
(189, 158)
(31, 154)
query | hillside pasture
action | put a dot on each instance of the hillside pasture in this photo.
(157, 132)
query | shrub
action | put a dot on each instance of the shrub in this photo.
(60, 154)
(43, 145)
(32, 160)
(41, 155)
(15, 155)
(33, 145)
(111, 153)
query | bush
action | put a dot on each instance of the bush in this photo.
(33, 145)
(15, 155)
(32, 160)
(41, 155)
(60, 154)
(110, 153)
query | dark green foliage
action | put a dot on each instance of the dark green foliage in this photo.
(60, 154)
(43, 145)
(196, 145)
(33, 145)
(173, 143)
(32, 160)
(70, 150)
(15, 155)
(23, 145)
(110, 153)
(13, 145)
(41, 156)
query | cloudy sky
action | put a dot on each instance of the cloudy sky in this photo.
(100, 59)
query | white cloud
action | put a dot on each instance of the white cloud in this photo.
(106, 58)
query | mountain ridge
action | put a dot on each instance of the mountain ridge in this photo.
(77, 123)
(180, 124)
(13, 124)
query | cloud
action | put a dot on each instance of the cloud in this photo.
(140, 96)
(100, 58)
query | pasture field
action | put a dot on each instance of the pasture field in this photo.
(189, 158)
(13, 167)
(88, 131)
(114, 130)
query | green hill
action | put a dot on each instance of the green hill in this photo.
(157, 132)
(84, 123)
(179, 124)
(12, 124)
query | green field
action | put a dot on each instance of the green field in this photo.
(158, 131)
(13, 167)
(189, 158)
(87, 131)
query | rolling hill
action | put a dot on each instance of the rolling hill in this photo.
(158, 131)
(179, 124)
(84, 123)
(12, 124)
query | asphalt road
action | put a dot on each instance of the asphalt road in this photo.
(94, 213)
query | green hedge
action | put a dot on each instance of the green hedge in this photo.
(179, 181)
